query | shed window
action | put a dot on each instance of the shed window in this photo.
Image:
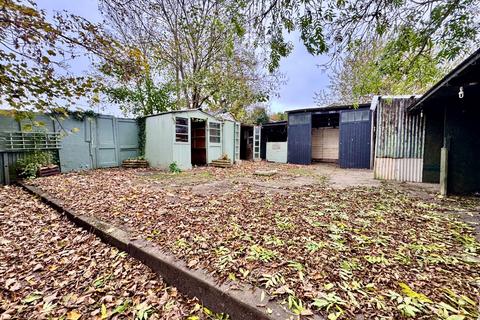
(354, 116)
(365, 115)
(299, 118)
(214, 132)
(181, 129)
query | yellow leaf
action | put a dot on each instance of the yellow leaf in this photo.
(73, 315)
(104, 312)
(412, 294)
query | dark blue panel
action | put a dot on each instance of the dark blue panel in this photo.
(300, 138)
(355, 139)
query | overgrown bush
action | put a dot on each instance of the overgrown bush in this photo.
(29, 164)
(174, 168)
(141, 135)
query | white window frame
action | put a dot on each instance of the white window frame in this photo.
(257, 144)
(237, 141)
(219, 132)
(188, 131)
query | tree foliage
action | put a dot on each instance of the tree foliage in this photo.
(205, 53)
(133, 88)
(34, 53)
(365, 70)
(278, 116)
(256, 115)
(441, 30)
(195, 47)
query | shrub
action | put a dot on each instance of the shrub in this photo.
(174, 168)
(29, 164)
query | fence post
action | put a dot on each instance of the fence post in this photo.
(444, 172)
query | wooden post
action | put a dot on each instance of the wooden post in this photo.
(443, 171)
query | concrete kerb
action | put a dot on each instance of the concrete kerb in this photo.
(244, 304)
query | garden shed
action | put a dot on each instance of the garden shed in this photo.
(452, 144)
(336, 133)
(190, 138)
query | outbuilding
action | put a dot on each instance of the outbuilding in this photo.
(274, 141)
(336, 133)
(190, 138)
(452, 144)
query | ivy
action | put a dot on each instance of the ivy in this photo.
(141, 122)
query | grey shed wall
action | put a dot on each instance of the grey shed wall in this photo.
(400, 140)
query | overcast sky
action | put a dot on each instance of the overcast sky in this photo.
(303, 76)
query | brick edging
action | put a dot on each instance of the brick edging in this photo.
(239, 304)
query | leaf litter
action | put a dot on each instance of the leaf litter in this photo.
(50, 269)
(379, 253)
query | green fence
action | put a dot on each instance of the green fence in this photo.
(88, 143)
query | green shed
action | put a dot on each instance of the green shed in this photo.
(190, 137)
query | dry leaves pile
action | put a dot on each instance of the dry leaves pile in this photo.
(376, 252)
(50, 269)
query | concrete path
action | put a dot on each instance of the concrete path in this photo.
(344, 178)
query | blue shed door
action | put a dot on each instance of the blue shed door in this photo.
(299, 138)
(106, 151)
(355, 139)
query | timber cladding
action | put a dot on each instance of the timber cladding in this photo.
(325, 142)
(300, 138)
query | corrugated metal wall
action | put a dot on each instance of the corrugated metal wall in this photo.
(400, 140)
(407, 169)
(355, 139)
(300, 138)
(7, 160)
(7, 164)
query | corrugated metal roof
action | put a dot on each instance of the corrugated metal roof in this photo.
(376, 99)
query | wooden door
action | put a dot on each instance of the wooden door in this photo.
(325, 142)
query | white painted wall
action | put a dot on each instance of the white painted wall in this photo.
(277, 152)
(228, 139)
(159, 134)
